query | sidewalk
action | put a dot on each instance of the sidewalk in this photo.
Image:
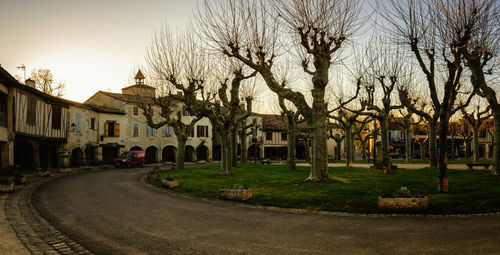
(9, 243)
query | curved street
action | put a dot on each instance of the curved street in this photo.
(113, 212)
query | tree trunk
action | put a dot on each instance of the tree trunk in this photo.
(181, 151)
(234, 146)
(475, 142)
(348, 146)
(292, 153)
(363, 149)
(308, 150)
(243, 142)
(443, 152)
(319, 163)
(432, 143)
(384, 136)
(408, 151)
(496, 141)
(226, 159)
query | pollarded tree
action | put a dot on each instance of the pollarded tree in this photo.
(250, 32)
(480, 18)
(406, 123)
(435, 33)
(476, 119)
(291, 119)
(178, 65)
(464, 131)
(172, 115)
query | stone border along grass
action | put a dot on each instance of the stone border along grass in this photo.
(146, 182)
(34, 232)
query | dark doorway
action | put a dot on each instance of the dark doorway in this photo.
(253, 152)
(168, 153)
(202, 153)
(151, 153)
(189, 154)
(24, 155)
(76, 157)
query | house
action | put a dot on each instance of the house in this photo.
(126, 128)
(36, 125)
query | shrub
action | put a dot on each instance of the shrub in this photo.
(19, 174)
(402, 192)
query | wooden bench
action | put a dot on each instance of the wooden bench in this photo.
(472, 165)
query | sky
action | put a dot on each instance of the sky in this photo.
(91, 45)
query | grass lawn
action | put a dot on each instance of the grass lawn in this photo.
(347, 190)
(419, 161)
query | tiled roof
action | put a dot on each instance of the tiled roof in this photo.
(273, 122)
(128, 98)
(104, 109)
(139, 86)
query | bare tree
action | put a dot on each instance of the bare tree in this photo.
(249, 31)
(481, 19)
(464, 131)
(435, 32)
(407, 124)
(180, 71)
(476, 119)
(44, 81)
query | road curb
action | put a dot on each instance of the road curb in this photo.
(145, 181)
(36, 233)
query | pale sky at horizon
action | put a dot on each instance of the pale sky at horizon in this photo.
(91, 45)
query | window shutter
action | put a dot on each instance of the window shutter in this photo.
(206, 131)
(117, 130)
(106, 131)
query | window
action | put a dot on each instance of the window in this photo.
(284, 136)
(56, 117)
(78, 122)
(136, 110)
(269, 136)
(136, 130)
(111, 129)
(202, 131)
(92, 123)
(151, 132)
(31, 111)
(167, 131)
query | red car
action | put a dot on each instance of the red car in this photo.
(130, 159)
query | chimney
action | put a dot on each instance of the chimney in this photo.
(30, 83)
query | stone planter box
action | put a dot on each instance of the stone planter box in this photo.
(20, 181)
(169, 184)
(235, 194)
(6, 188)
(65, 170)
(403, 204)
(44, 173)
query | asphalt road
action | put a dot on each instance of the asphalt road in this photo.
(113, 212)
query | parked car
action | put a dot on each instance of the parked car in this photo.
(130, 159)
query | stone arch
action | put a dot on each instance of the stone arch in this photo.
(202, 152)
(169, 153)
(189, 154)
(151, 153)
(76, 157)
(136, 148)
